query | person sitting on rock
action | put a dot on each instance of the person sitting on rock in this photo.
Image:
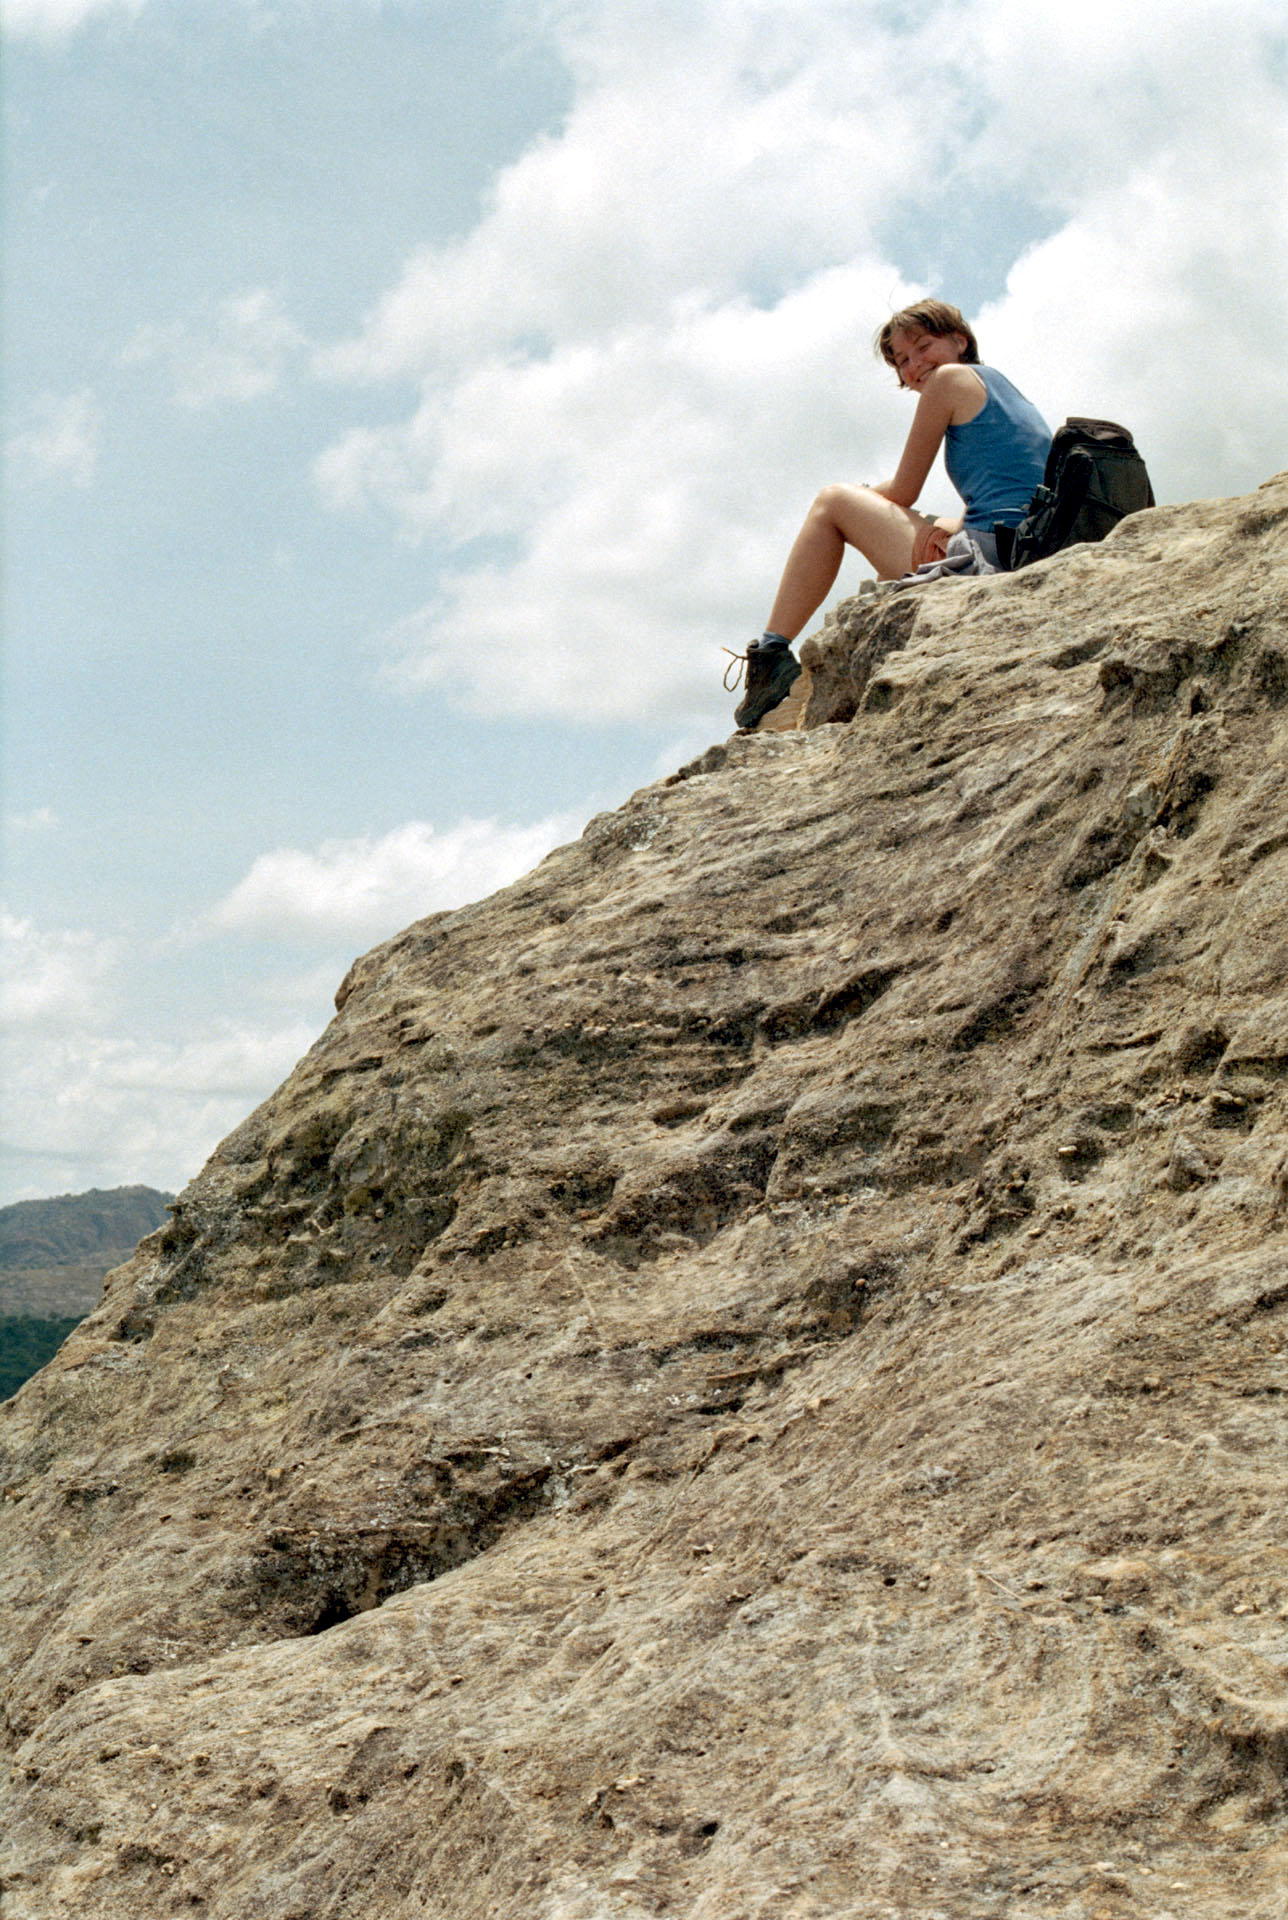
(995, 447)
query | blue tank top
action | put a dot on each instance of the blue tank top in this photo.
(997, 459)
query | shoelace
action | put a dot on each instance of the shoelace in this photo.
(738, 660)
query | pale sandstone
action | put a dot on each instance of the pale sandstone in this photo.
(744, 1375)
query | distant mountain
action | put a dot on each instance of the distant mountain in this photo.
(77, 1226)
(54, 1253)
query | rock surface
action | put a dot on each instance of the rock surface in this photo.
(744, 1375)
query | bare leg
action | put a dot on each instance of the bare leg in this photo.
(841, 516)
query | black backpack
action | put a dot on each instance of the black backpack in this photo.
(1094, 478)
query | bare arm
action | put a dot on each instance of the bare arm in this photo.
(950, 397)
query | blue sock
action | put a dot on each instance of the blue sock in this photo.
(770, 639)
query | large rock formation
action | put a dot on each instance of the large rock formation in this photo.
(744, 1375)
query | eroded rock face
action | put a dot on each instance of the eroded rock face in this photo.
(743, 1375)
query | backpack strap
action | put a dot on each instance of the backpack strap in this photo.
(1077, 470)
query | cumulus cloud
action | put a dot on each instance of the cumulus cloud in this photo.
(90, 1110)
(98, 1093)
(60, 441)
(54, 21)
(95, 1094)
(51, 977)
(1083, 98)
(371, 887)
(653, 346)
(657, 477)
(713, 150)
(237, 349)
(1177, 326)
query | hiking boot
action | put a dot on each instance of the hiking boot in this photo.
(771, 674)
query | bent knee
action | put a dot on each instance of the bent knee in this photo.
(835, 500)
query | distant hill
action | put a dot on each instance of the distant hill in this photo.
(54, 1253)
(78, 1226)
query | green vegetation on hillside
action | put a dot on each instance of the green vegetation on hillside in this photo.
(25, 1345)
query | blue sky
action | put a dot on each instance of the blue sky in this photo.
(406, 401)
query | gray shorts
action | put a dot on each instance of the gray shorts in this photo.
(972, 551)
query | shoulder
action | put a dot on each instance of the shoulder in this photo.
(960, 390)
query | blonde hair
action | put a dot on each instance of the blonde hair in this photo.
(924, 316)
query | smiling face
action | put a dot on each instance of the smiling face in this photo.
(915, 354)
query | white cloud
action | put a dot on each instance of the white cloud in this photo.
(653, 347)
(713, 150)
(51, 978)
(97, 1094)
(1089, 95)
(370, 888)
(659, 477)
(236, 350)
(57, 20)
(1163, 307)
(60, 441)
(85, 1110)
